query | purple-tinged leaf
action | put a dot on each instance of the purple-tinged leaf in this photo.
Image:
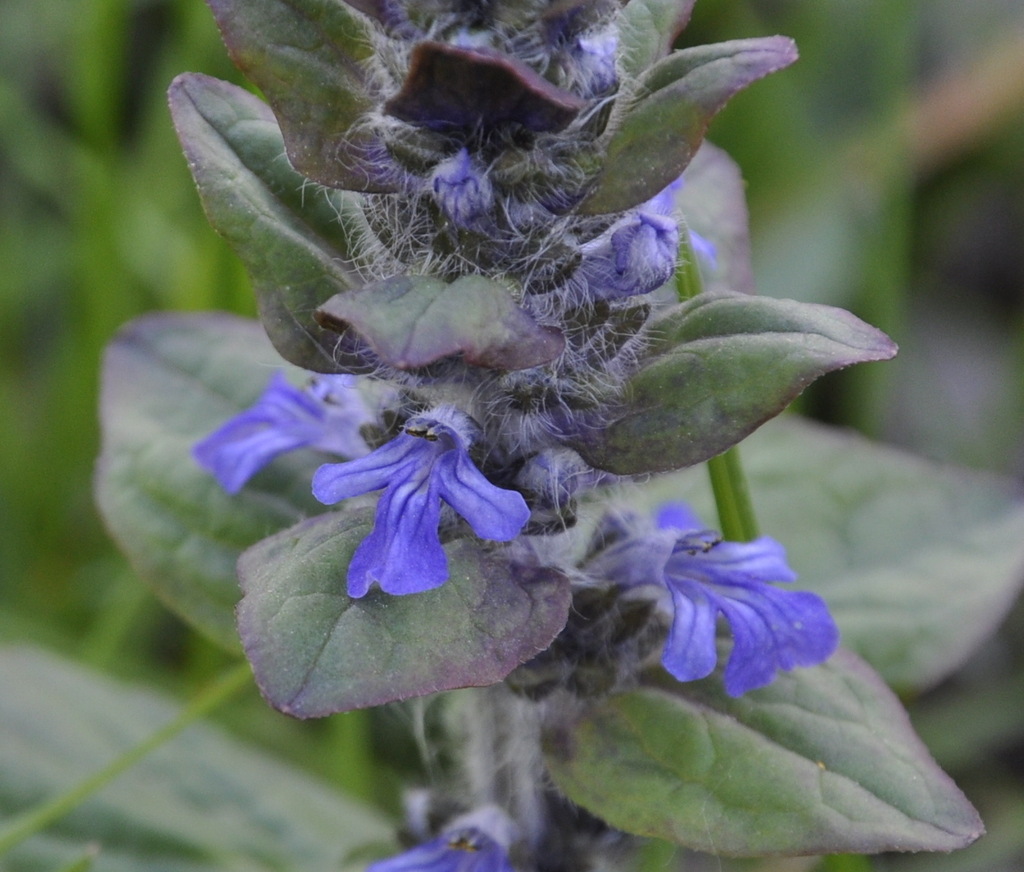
(167, 381)
(719, 366)
(652, 139)
(713, 201)
(450, 86)
(822, 761)
(305, 55)
(412, 321)
(295, 243)
(647, 30)
(315, 651)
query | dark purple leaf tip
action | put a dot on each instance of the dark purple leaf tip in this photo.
(449, 86)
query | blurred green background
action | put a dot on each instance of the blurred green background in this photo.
(886, 175)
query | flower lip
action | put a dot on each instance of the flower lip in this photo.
(425, 465)
(703, 576)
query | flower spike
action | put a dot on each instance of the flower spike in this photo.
(427, 464)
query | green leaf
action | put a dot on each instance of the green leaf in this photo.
(314, 650)
(168, 381)
(306, 56)
(654, 136)
(714, 204)
(201, 803)
(720, 366)
(412, 321)
(917, 562)
(295, 241)
(824, 760)
(647, 29)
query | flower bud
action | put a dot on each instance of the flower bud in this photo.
(635, 256)
(463, 191)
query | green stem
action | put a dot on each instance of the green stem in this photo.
(37, 819)
(732, 496)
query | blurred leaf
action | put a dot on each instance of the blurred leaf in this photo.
(720, 366)
(917, 562)
(412, 321)
(652, 140)
(315, 650)
(306, 55)
(823, 760)
(296, 242)
(713, 201)
(647, 29)
(169, 380)
(200, 803)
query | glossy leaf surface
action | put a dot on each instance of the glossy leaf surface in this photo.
(720, 366)
(315, 650)
(823, 760)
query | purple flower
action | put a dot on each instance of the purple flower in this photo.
(704, 576)
(464, 849)
(663, 203)
(637, 254)
(326, 415)
(463, 191)
(595, 56)
(426, 464)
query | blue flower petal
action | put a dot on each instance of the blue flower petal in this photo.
(677, 516)
(732, 563)
(775, 629)
(402, 553)
(283, 419)
(467, 849)
(705, 577)
(492, 512)
(772, 629)
(396, 460)
(426, 464)
(690, 648)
